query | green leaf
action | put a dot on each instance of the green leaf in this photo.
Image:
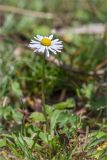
(99, 102)
(16, 89)
(17, 116)
(87, 90)
(5, 112)
(68, 104)
(100, 134)
(37, 117)
(45, 137)
(54, 118)
(103, 154)
(49, 110)
(2, 142)
(8, 113)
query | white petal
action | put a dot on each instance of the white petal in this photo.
(51, 36)
(55, 40)
(39, 50)
(58, 42)
(31, 45)
(42, 49)
(56, 46)
(32, 41)
(39, 37)
(52, 50)
(34, 45)
(36, 50)
(57, 50)
(47, 52)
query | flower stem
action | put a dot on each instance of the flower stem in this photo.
(43, 94)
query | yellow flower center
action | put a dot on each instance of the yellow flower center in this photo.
(46, 42)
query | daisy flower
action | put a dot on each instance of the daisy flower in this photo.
(45, 44)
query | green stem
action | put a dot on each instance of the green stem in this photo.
(44, 106)
(43, 94)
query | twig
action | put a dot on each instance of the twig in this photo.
(94, 28)
(62, 65)
(101, 65)
(62, 95)
(16, 10)
(66, 67)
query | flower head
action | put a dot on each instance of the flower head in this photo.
(45, 44)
